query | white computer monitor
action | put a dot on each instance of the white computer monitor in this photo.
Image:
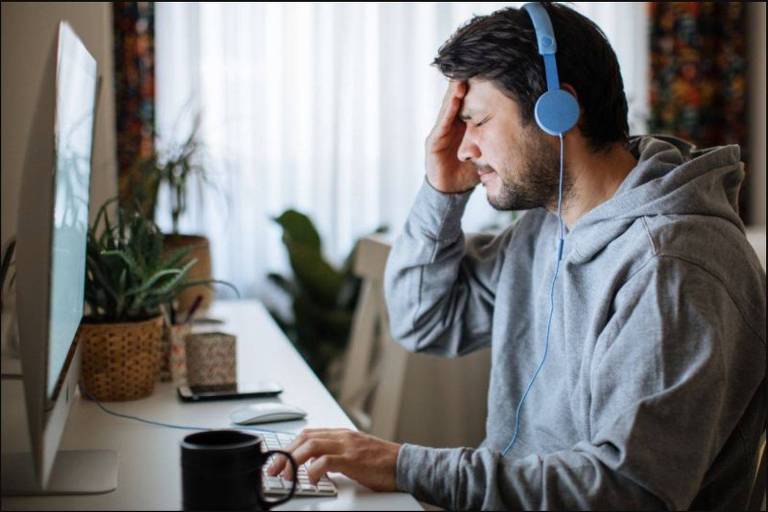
(50, 275)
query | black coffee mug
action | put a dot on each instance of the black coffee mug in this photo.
(222, 470)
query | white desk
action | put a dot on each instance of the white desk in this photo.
(149, 475)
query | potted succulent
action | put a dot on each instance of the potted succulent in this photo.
(129, 280)
(174, 167)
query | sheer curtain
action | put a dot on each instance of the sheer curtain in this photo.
(323, 108)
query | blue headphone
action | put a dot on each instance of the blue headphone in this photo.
(556, 110)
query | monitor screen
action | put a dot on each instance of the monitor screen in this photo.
(75, 105)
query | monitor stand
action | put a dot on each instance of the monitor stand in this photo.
(74, 472)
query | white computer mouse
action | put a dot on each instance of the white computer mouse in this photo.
(265, 413)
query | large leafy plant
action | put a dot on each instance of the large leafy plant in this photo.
(323, 297)
(128, 275)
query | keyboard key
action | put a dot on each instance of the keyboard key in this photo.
(279, 486)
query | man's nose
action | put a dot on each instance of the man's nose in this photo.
(468, 150)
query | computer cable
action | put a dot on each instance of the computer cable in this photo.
(171, 425)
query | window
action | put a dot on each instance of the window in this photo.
(323, 108)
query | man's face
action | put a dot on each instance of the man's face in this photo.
(518, 166)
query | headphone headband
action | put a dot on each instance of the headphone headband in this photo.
(545, 35)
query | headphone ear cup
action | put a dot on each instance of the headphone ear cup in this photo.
(556, 112)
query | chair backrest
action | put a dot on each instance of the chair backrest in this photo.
(371, 353)
(445, 403)
(758, 494)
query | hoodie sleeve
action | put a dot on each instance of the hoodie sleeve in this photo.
(668, 386)
(439, 287)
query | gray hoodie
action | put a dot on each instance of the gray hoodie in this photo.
(653, 391)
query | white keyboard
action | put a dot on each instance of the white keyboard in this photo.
(275, 485)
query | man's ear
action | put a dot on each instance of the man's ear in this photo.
(569, 88)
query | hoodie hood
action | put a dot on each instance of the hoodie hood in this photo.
(672, 177)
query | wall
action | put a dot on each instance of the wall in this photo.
(28, 30)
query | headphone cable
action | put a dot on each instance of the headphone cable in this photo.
(560, 244)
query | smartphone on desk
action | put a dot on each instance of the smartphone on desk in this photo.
(264, 389)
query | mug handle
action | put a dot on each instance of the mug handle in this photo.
(266, 504)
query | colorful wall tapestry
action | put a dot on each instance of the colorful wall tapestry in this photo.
(134, 52)
(699, 75)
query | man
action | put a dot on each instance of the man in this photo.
(652, 390)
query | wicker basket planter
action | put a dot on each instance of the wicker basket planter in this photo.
(120, 361)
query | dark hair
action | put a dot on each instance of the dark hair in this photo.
(501, 47)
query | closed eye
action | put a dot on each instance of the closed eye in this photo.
(481, 123)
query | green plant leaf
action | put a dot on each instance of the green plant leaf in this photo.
(173, 285)
(180, 257)
(152, 281)
(328, 322)
(320, 280)
(126, 257)
(284, 284)
(209, 283)
(8, 252)
(299, 229)
(100, 278)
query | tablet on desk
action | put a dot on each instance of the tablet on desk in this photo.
(264, 389)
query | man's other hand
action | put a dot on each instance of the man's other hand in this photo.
(363, 458)
(445, 171)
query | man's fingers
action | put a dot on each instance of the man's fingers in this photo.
(460, 89)
(361, 457)
(313, 448)
(446, 123)
(304, 447)
(449, 114)
(323, 465)
(309, 433)
(449, 91)
(277, 466)
(456, 89)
